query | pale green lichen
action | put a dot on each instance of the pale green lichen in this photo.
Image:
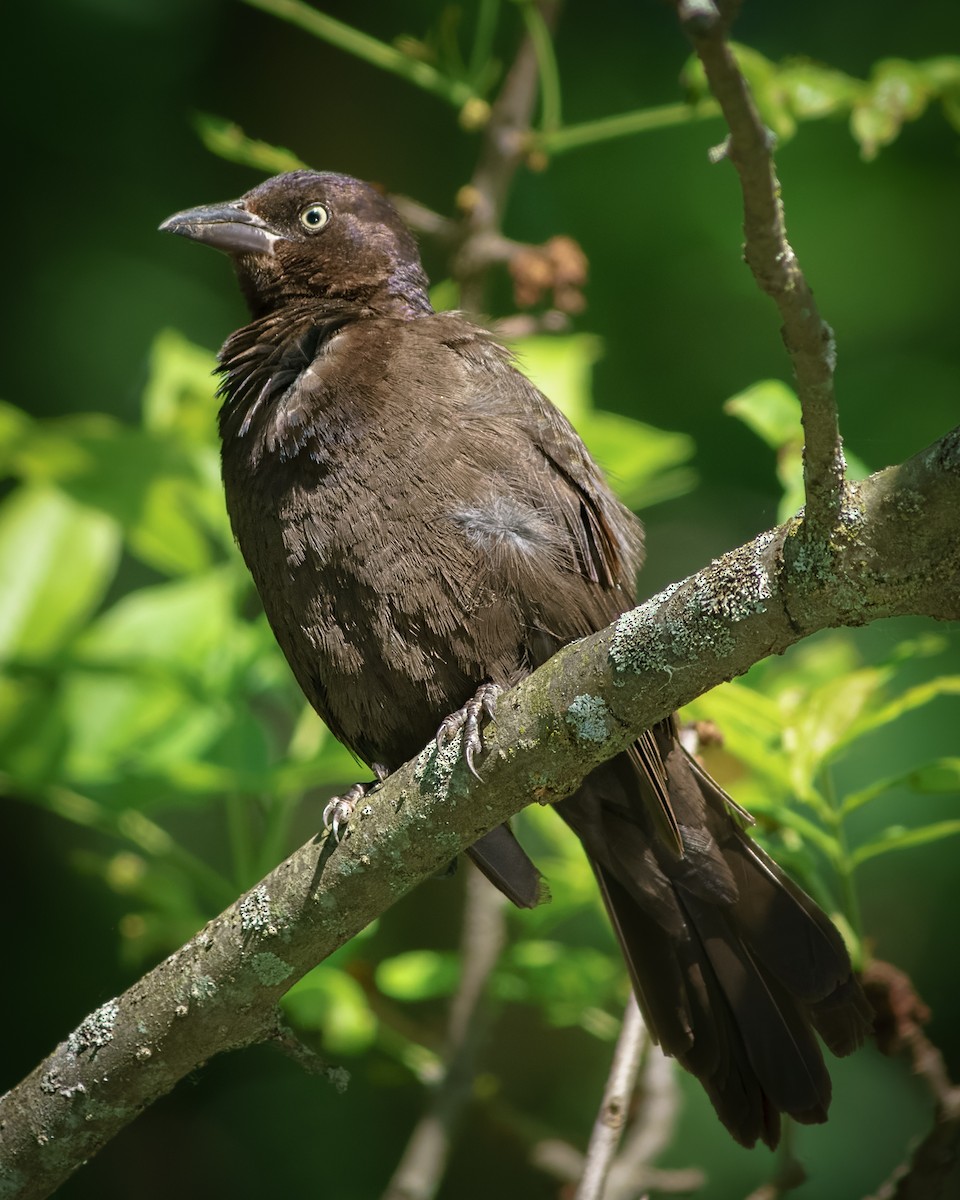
(339, 1077)
(638, 641)
(441, 772)
(698, 620)
(589, 718)
(202, 988)
(95, 1031)
(256, 913)
(905, 502)
(270, 969)
(736, 586)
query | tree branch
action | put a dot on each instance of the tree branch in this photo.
(808, 338)
(420, 1171)
(899, 555)
(615, 1105)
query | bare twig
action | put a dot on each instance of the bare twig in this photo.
(651, 1130)
(506, 138)
(789, 1173)
(615, 1107)
(608, 1127)
(420, 1171)
(808, 338)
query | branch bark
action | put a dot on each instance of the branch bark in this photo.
(898, 554)
(420, 1171)
(615, 1105)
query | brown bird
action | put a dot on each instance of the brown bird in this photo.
(425, 528)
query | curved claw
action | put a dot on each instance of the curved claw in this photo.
(467, 719)
(339, 809)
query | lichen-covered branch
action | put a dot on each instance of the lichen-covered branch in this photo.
(808, 338)
(899, 554)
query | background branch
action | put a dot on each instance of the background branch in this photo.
(420, 1171)
(615, 1105)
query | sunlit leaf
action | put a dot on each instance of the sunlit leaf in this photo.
(907, 701)
(150, 674)
(180, 396)
(899, 91)
(418, 975)
(771, 410)
(942, 776)
(226, 139)
(57, 559)
(563, 979)
(332, 1003)
(898, 837)
(645, 465)
(815, 91)
(823, 722)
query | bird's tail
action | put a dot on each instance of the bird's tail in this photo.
(735, 967)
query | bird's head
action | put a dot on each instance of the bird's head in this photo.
(311, 236)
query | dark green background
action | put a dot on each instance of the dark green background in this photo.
(100, 149)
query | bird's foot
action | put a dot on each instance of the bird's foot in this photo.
(483, 703)
(339, 809)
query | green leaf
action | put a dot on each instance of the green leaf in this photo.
(418, 975)
(226, 139)
(912, 698)
(332, 1003)
(57, 559)
(771, 410)
(152, 674)
(752, 727)
(768, 92)
(562, 368)
(644, 464)
(899, 91)
(823, 722)
(180, 396)
(815, 91)
(933, 779)
(564, 980)
(898, 837)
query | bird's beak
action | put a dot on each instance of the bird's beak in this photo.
(228, 227)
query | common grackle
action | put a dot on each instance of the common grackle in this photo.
(424, 528)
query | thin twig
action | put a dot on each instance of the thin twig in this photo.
(652, 1129)
(420, 1171)
(608, 1127)
(370, 49)
(506, 138)
(789, 1173)
(808, 338)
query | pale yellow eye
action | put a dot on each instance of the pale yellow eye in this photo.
(314, 217)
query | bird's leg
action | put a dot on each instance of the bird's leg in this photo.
(483, 702)
(339, 809)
